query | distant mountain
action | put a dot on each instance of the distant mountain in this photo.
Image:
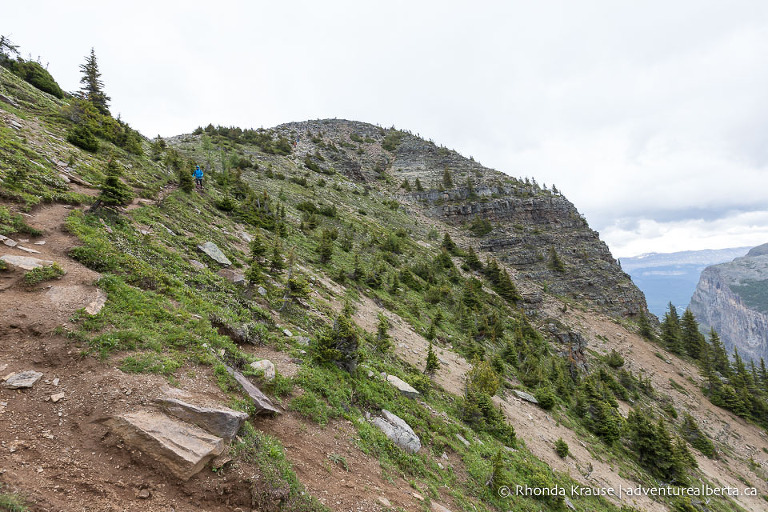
(732, 298)
(672, 277)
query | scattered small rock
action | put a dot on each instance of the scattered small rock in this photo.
(144, 494)
(197, 265)
(569, 504)
(461, 438)
(40, 242)
(384, 501)
(266, 366)
(302, 340)
(436, 507)
(398, 431)
(96, 304)
(213, 251)
(27, 249)
(288, 333)
(10, 242)
(402, 386)
(58, 396)
(261, 291)
(234, 276)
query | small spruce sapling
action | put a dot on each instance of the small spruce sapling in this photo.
(433, 364)
(113, 191)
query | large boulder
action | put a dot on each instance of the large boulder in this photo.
(218, 420)
(213, 251)
(402, 386)
(398, 431)
(182, 448)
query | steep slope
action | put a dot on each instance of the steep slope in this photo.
(340, 276)
(732, 298)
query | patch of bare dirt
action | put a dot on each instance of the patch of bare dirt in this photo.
(334, 470)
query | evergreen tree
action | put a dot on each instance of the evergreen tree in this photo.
(325, 246)
(383, 340)
(277, 263)
(419, 187)
(692, 339)
(555, 263)
(258, 248)
(644, 327)
(763, 375)
(405, 185)
(93, 87)
(447, 179)
(431, 332)
(448, 244)
(719, 358)
(433, 364)
(670, 330)
(186, 183)
(473, 262)
(113, 191)
(338, 344)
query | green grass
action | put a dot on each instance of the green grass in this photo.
(11, 502)
(44, 273)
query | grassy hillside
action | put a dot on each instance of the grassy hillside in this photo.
(331, 261)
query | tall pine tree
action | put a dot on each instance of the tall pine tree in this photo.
(692, 339)
(93, 87)
(670, 330)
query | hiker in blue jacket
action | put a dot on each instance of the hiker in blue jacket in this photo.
(198, 177)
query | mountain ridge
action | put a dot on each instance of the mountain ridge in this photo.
(343, 279)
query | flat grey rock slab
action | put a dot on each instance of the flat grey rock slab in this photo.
(260, 400)
(218, 420)
(213, 251)
(461, 438)
(522, 395)
(183, 448)
(21, 380)
(398, 431)
(24, 262)
(402, 386)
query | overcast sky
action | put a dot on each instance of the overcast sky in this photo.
(650, 116)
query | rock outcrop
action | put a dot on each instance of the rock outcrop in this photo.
(732, 298)
(182, 448)
(398, 431)
(218, 420)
